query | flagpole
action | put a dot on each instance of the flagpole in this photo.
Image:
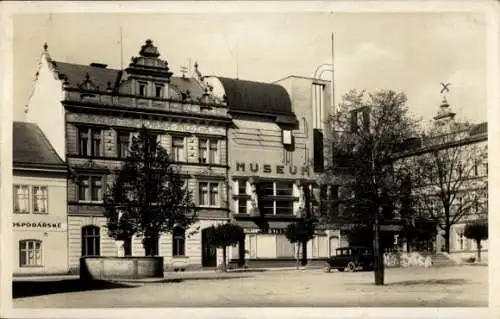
(121, 48)
(333, 75)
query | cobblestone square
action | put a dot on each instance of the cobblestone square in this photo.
(405, 287)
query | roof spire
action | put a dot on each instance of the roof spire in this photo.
(444, 109)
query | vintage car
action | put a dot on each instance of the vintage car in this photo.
(351, 259)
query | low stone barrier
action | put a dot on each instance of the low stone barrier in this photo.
(104, 268)
(413, 259)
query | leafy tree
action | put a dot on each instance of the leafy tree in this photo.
(477, 231)
(223, 236)
(147, 197)
(362, 235)
(446, 175)
(366, 131)
(420, 233)
(300, 232)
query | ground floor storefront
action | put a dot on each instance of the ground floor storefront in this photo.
(40, 246)
(181, 250)
(273, 249)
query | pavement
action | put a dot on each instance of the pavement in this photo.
(460, 286)
(168, 275)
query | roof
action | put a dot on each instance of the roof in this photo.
(30, 147)
(75, 75)
(185, 84)
(256, 97)
(481, 128)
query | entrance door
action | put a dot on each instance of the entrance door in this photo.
(334, 244)
(208, 251)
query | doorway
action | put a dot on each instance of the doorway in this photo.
(208, 251)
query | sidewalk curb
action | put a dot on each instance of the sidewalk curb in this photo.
(175, 276)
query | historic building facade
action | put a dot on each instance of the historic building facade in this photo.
(275, 155)
(39, 204)
(464, 157)
(90, 113)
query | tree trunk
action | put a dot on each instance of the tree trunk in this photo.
(127, 247)
(447, 239)
(478, 242)
(378, 250)
(224, 253)
(304, 253)
(298, 255)
(241, 252)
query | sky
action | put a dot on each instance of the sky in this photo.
(409, 52)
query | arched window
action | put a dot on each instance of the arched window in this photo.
(91, 241)
(178, 242)
(30, 253)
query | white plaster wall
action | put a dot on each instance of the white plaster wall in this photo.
(45, 108)
(54, 242)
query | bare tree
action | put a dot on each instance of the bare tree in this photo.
(366, 131)
(450, 184)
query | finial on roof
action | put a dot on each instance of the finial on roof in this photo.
(197, 71)
(149, 50)
(45, 46)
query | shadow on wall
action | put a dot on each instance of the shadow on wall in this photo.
(22, 289)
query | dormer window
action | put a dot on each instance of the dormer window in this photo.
(142, 88)
(159, 90)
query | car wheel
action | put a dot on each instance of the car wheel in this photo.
(327, 269)
(350, 267)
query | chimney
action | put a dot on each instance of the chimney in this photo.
(98, 65)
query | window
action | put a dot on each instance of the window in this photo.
(276, 198)
(90, 188)
(462, 241)
(178, 153)
(208, 149)
(21, 199)
(90, 141)
(242, 187)
(284, 188)
(91, 241)
(30, 253)
(142, 89)
(284, 207)
(179, 242)
(242, 202)
(153, 140)
(242, 206)
(40, 199)
(159, 90)
(123, 144)
(208, 194)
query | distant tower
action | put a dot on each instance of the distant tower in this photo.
(444, 114)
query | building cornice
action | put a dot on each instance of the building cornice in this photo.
(462, 142)
(35, 167)
(119, 111)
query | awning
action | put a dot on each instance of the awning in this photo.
(249, 224)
